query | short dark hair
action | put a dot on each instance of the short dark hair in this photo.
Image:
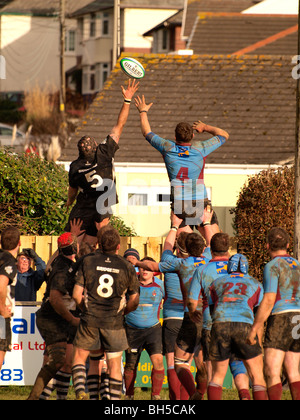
(184, 132)
(195, 244)
(148, 259)
(219, 243)
(180, 242)
(278, 239)
(108, 239)
(10, 238)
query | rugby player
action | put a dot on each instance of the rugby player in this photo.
(56, 319)
(233, 297)
(188, 339)
(10, 244)
(200, 285)
(185, 160)
(144, 331)
(107, 279)
(173, 312)
(281, 308)
(91, 176)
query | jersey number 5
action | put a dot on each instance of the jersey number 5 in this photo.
(91, 177)
(105, 289)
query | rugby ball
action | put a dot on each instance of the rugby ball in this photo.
(132, 68)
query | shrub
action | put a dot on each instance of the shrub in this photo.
(265, 201)
(33, 194)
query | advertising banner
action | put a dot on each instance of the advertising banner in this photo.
(23, 363)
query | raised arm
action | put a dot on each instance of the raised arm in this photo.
(201, 127)
(128, 94)
(143, 109)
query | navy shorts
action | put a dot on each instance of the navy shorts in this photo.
(139, 339)
(170, 330)
(189, 336)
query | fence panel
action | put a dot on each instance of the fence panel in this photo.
(45, 246)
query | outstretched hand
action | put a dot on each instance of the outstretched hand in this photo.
(141, 105)
(132, 88)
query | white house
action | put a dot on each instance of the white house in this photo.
(30, 43)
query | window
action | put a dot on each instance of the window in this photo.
(165, 38)
(163, 198)
(93, 25)
(105, 24)
(137, 199)
(70, 41)
(89, 79)
(102, 73)
(92, 79)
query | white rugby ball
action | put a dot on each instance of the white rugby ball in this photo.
(132, 68)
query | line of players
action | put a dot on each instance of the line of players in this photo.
(230, 333)
(208, 315)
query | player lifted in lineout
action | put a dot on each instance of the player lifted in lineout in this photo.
(91, 175)
(185, 159)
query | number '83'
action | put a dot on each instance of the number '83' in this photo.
(105, 289)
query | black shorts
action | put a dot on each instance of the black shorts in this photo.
(54, 330)
(189, 336)
(170, 330)
(139, 339)
(92, 338)
(5, 340)
(191, 212)
(89, 215)
(283, 332)
(228, 341)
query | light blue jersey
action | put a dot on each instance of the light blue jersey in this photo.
(147, 313)
(185, 268)
(282, 276)
(173, 302)
(234, 296)
(185, 164)
(201, 282)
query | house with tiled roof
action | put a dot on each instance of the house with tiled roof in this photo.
(237, 33)
(95, 46)
(30, 43)
(250, 96)
(226, 27)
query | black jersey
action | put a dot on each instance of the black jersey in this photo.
(59, 277)
(107, 278)
(8, 268)
(92, 179)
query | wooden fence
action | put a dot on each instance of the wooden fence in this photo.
(45, 246)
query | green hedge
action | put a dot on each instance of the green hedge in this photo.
(33, 194)
(266, 200)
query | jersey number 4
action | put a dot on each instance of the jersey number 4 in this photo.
(183, 174)
(105, 289)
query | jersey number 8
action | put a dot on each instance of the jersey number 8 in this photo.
(105, 289)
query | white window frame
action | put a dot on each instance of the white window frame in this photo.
(68, 41)
(152, 193)
(101, 69)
